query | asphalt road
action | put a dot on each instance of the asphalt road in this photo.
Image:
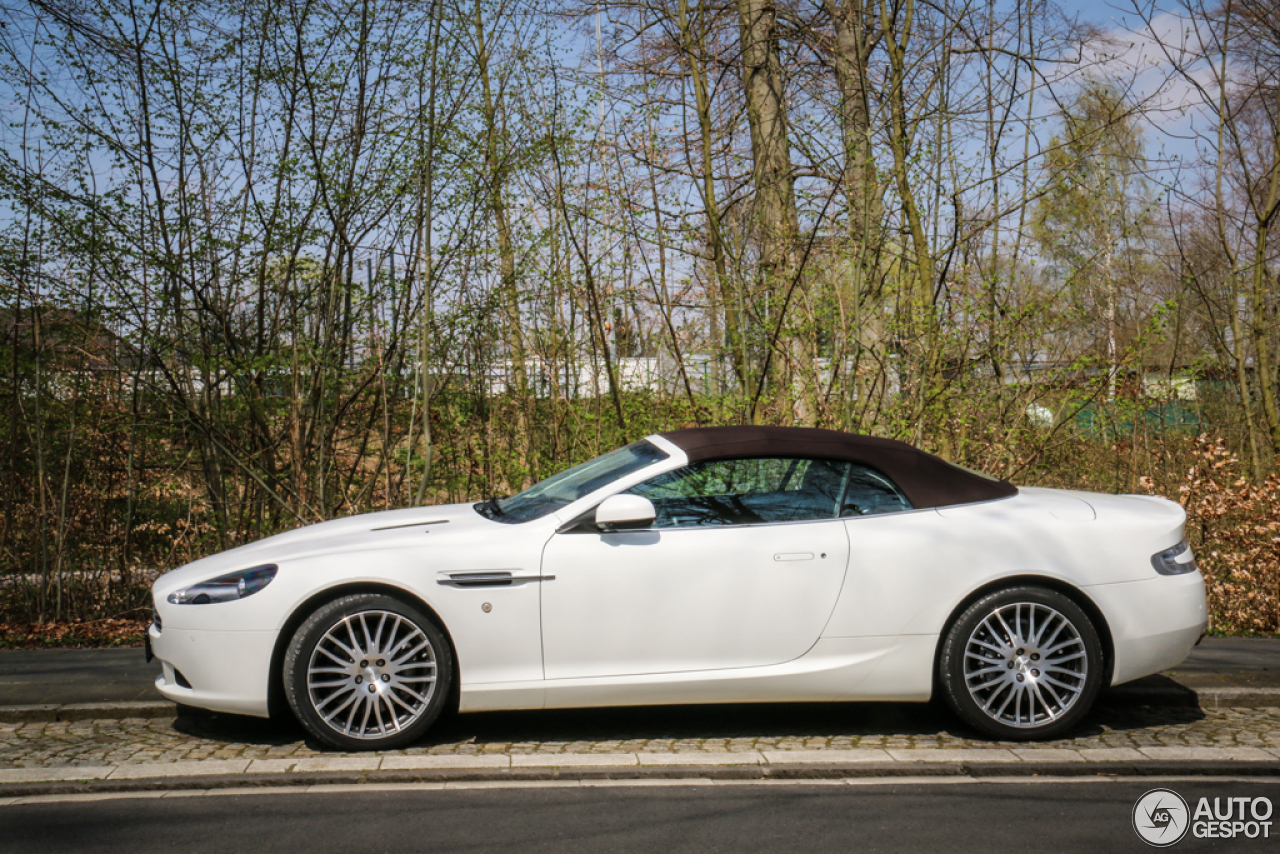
(974, 816)
(37, 676)
(1232, 655)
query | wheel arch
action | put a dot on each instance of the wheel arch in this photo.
(1075, 594)
(277, 705)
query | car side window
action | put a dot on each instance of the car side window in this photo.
(868, 492)
(755, 491)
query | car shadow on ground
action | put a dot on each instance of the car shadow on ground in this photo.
(237, 729)
(767, 722)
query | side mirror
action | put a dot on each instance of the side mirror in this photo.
(624, 512)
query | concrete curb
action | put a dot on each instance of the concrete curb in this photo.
(86, 711)
(1230, 696)
(1206, 697)
(799, 764)
(693, 774)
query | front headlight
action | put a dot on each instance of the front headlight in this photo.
(1176, 560)
(225, 588)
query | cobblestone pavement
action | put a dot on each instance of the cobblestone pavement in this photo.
(713, 729)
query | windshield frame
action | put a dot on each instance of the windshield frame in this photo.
(574, 484)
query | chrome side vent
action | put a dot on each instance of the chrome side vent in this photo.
(493, 578)
(490, 577)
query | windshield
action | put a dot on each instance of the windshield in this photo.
(568, 486)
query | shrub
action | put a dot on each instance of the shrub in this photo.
(1234, 528)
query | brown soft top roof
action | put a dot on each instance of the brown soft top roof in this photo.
(926, 480)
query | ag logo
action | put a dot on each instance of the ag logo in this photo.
(1161, 817)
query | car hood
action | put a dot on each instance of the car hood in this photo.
(385, 530)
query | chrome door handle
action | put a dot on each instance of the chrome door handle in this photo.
(793, 556)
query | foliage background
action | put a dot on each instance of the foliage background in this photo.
(264, 263)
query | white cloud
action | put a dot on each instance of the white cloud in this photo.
(1164, 61)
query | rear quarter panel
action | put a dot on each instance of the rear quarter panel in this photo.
(908, 572)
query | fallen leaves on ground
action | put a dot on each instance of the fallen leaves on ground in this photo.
(77, 634)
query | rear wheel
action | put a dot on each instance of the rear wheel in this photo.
(1021, 664)
(367, 672)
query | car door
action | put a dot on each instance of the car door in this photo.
(741, 568)
(902, 561)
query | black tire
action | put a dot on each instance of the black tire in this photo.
(368, 672)
(1021, 664)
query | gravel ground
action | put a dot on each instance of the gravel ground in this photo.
(682, 729)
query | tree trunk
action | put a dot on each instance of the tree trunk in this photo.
(1264, 319)
(921, 326)
(774, 180)
(692, 47)
(495, 175)
(856, 37)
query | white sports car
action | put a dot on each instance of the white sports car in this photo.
(708, 565)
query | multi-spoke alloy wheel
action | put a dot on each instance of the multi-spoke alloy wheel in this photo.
(367, 672)
(1025, 664)
(1022, 663)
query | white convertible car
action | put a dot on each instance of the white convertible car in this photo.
(708, 565)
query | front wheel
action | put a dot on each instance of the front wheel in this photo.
(367, 672)
(1021, 664)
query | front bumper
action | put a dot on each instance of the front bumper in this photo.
(224, 671)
